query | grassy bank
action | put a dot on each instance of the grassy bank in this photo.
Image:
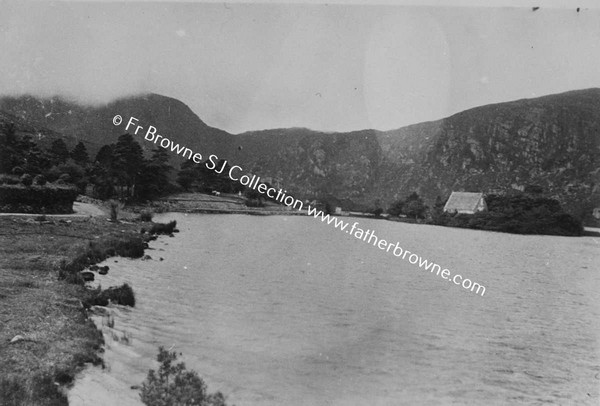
(43, 314)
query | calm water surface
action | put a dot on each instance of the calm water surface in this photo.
(289, 311)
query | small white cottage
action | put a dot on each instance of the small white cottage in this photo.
(465, 202)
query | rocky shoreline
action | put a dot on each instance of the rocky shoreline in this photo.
(42, 298)
(111, 384)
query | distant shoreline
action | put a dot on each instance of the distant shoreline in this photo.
(210, 204)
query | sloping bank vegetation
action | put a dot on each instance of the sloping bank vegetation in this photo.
(46, 336)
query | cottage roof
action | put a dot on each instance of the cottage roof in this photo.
(463, 201)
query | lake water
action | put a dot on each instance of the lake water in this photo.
(290, 311)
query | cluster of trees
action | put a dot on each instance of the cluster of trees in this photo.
(519, 213)
(528, 212)
(121, 170)
(413, 206)
(21, 157)
(118, 170)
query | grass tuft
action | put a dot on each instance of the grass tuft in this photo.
(162, 228)
(122, 295)
(146, 215)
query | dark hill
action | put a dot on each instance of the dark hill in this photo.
(41, 135)
(93, 124)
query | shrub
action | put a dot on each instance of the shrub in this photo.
(174, 385)
(37, 199)
(39, 180)
(122, 295)
(115, 207)
(26, 179)
(377, 212)
(65, 177)
(6, 179)
(161, 228)
(146, 215)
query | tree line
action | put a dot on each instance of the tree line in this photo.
(119, 170)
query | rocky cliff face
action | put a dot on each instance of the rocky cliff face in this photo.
(551, 141)
(309, 163)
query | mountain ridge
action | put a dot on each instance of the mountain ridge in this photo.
(550, 141)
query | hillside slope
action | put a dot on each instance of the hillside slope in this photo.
(94, 125)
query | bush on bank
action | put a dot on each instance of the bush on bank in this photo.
(146, 215)
(49, 199)
(173, 384)
(122, 295)
(162, 228)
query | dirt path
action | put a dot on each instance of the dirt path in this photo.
(87, 209)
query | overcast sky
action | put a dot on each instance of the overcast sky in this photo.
(326, 67)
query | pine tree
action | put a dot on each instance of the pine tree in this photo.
(105, 155)
(414, 206)
(8, 150)
(80, 154)
(187, 175)
(102, 173)
(154, 179)
(397, 208)
(128, 162)
(59, 152)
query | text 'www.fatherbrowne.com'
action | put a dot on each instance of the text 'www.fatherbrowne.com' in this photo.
(369, 237)
(237, 174)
